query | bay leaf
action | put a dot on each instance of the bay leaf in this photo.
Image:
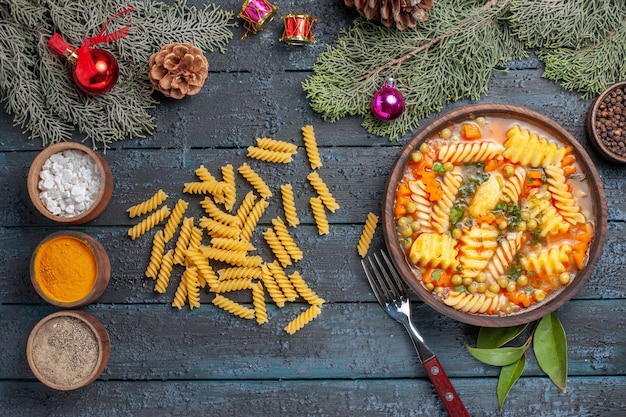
(495, 337)
(509, 375)
(499, 356)
(550, 347)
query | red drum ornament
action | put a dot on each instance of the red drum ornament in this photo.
(95, 71)
(256, 15)
(388, 102)
(298, 29)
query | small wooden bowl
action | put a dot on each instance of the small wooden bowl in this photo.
(106, 183)
(102, 270)
(68, 350)
(593, 129)
(542, 123)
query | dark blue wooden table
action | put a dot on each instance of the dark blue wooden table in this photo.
(350, 361)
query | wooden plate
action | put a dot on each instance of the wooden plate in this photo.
(526, 117)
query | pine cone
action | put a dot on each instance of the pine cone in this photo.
(178, 70)
(401, 13)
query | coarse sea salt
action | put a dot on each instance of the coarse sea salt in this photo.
(69, 183)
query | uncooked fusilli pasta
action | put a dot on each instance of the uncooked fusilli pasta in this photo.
(258, 302)
(277, 247)
(269, 156)
(367, 234)
(303, 318)
(289, 205)
(148, 223)
(165, 272)
(277, 145)
(255, 180)
(174, 220)
(310, 144)
(322, 191)
(286, 240)
(233, 307)
(147, 206)
(156, 255)
(317, 207)
(303, 289)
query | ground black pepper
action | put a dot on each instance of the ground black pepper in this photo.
(611, 122)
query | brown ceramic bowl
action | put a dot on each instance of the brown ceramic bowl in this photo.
(88, 283)
(532, 120)
(99, 203)
(68, 350)
(595, 128)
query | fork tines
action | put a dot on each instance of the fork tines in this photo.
(384, 278)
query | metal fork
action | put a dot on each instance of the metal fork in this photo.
(393, 297)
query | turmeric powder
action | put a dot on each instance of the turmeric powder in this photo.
(65, 268)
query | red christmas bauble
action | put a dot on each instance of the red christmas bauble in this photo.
(106, 73)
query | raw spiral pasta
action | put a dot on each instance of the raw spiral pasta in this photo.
(232, 244)
(303, 319)
(286, 240)
(224, 255)
(233, 285)
(148, 223)
(147, 206)
(367, 234)
(217, 214)
(245, 207)
(230, 194)
(193, 291)
(165, 272)
(239, 272)
(276, 294)
(310, 144)
(206, 187)
(218, 229)
(322, 191)
(255, 180)
(258, 302)
(206, 275)
(283, 281)
(303, 289)
(277, 247)
(174, 220)
(183, 240)
(253, 218)
(277, 145)
(156, 255)
(233, 307)
(289, 205)
(204, 175)
(180, 296)
(317, 207)
(269, 156)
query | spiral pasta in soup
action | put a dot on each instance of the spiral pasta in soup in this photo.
(495, 217)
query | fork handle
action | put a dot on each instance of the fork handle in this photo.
(450, 399)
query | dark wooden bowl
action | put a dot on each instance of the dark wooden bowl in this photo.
(592, 128)
(106, 183)
(49, 327)
(103, 274)
(531, 118)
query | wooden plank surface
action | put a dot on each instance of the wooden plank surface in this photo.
(352, 360)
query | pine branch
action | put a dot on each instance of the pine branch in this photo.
(37, 87)
(450, 56)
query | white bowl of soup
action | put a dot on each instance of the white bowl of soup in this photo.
(494, 215)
